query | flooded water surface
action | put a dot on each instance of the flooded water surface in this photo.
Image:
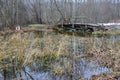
(47, 55)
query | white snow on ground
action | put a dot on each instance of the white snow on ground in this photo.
(111, 26)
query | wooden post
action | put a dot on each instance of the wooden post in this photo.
(18, 28)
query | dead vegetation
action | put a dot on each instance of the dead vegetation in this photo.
(18, 50)
(107, 52)
(53, 52)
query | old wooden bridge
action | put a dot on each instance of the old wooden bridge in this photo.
(80, 27)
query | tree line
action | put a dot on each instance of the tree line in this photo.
(24, 12)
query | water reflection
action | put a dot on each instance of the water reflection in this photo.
(1, 77)
(119, 78)
(88, 68)
(83, 67)
(33, 75)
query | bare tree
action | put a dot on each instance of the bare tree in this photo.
(23, 12)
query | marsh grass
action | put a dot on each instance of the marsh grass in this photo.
(109, 32)
(23, 49)
(54, 52)
(106, 51)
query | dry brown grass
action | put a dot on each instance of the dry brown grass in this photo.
(18, 50)
(55, 51)
(106, 52)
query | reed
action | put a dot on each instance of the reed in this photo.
(23, 49)
(52, 52)
(106, 52)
